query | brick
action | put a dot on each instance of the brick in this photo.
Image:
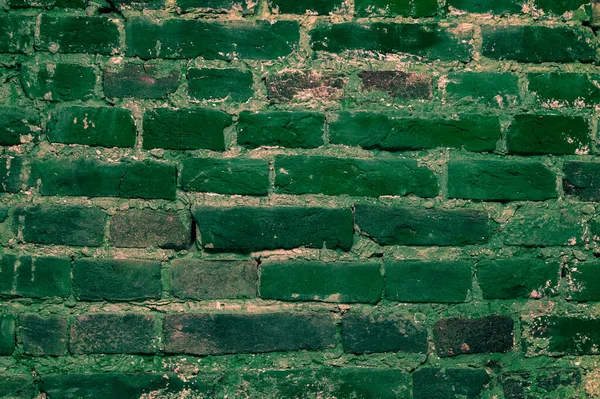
(311, 7)
(43, 336)
(372, 334)
(575, 88)
(58, 82)
(215, 334)
(246, 229)
(12, 172)
(491, 88)
(114, 333)
(450, 383)
(340, 282)
(220, 6)
(459, 335)
(31, 3)
(144, 228)
(36, 277)
(126, 5)
(16, 33)
(358, 177)
(389, 132)
(304, 85)
(220, 84)
(495, 7)
(280, 128)
(559, 7)
(179, 38)
(18, 125)
(213, 279)
(116, 279)
(499, 180)
(147, 81)
(78, 34)
(583, 281)
(533, 227)
(404, 8)
(580, 180)
(17, 386)
(94, 126)
(414, 226)
(565, 335)
(179, 129)
(63, 225)
(518, 278)
(538, 43)
(423, 40)
(561, 382)
(548, 134)
(225, 176)
(7, 334)
(95, 178)
(417, 281)
(406, 86)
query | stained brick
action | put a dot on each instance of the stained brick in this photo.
(12, 171)
(220, 84)
(17, 124)
(43, 336)
(584, 281)
(450, 383)
(406, 86)
(140, 81)
(562, 382)
(320, 7)
(16, 33)
(404, 8)
(565, 335)
(58, 82)
(580, 180)
(517, 278)
(281, 128)
(36, 277)
(17, 386)
(574, 88)
(304, 85)
(219, 6)
(532, 227)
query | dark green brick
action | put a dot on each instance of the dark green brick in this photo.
(35, 277)
(114, 333)
(543, 382)
(548, 134)
(488, 6)
(451, 383)
(148, 180)
(574, 88)
(220, 84)
(19, 386)
(216, 5)
(437, 282)
(246, 229)
(127, 5)
(559, 7)
(116, 279)
(517, 278)
(320, 7)
(58, 82)
(491, 88)
(393, 8)
(499, 180)
(185, 129)
(318, 281)
(16, 33)
(94, 126)
(390, 132)
(402, 85)
(358, 177)
(281, 128)
(7, 334)
(422, 227)
(378, 334)
(563, 335)
(11, 172)
(78, 34)
(43, 336)
(16, 124)
(63, 225)
(213, 279)
(580, 180)
(538, 43)
(140, 81)
(423, 40)
(31, 3)
(179, 38)
(225, 176)
(459, 335)
(533, 227)
(584, 280)
(215, 334)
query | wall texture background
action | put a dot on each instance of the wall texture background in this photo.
(299, 199)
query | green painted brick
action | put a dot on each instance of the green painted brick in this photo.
(58, 82)
(392, 225)
(222, 333)
(147, 81)
(499, 180)
(213, 279)
(584, 280)
(37, 277)
(16, 33)
(114, 333)
(542, 382)
(389, 132)
(533, 227)
(185, 129)
(340, 282)
(435, 282)
(225, 176)
(17, 125)
(179, 38)
(559, 7)
(449, 383)
(538, 43)
(574, 88)
(320, 7)
(78, 34)
(216, 5)
(517, 278)
(358, 177)
(491, 88)
(220, 84)
(565, 335)
(281, 128)
(548, 134)
(43, 336)
(423, 40)
(393, 8)
(93, 126)
(12, 171)
(495, 7)
(246, 229)
(18, 386)
(148, 180)
(7, 334)
(31, 3)
(378, 334)
(580, 180)
(116, 279)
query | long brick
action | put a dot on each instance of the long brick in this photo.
(580, 180)
(17, 125)
(216, 6)
(220, 84)
(532, 227)
(17, 386)
(7, 334)
(402, 85)
(404, 8)
(435, 383)
(320, 7)
(214, 334)
(559, 7)
(58, 82)
(16, 33)
(35, 277)
(304, 85)
(281, 128)
(542, 382)
(496, 7)
(564, 335)
(491, 88)
(571, 87)
(43, 336)
(149, 81)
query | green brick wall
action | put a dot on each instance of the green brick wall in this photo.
(299, 199)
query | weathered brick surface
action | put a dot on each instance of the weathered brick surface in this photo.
(17, 385)
(16, 124)
(407, 86)
(518, 278)
(141, 228)
(220, 84)
(79, 34)
(565, 335)
(283, 129)
(44, 336)
(432, 383)
(7, 334)
(579, 180)
(140, 81)
(562, 382)
(531, 228)
(58, 82)
(490, 88)
(35, 277)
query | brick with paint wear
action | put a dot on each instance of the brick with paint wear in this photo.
(281, 129)
(449, 383)
(338, 282)
(399, 85)
(496, 7)
(35, 277)
(116, 279)
(580, 180)
(563, 335)
(7, 334)
(402, 8)
(16, 33)
(311, 7)
(540, 382)
(539, 227)
(146, 81)
(460, 335)
(583, 279)
(220, 84)
(490, 88)
(43, 335)
(18, 125)
(12, 171)
(221, 333)
(17, 386)
(304, 85)
(58, 82)
(559, 7)
(217, 6)
(565, 88)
